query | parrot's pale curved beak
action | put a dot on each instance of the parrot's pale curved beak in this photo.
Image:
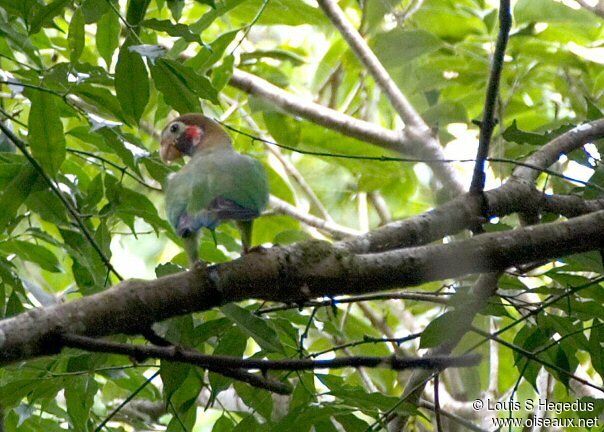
(168, 152)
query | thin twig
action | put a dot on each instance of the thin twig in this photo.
(439, 426)
(125, 402)
(413, 296)
(367, 340)
(221, 362)
(531, 356)
(488, 122)
(336, 230)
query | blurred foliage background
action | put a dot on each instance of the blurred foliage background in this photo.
(88, 84)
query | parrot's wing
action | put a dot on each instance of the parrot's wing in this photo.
(227, 209)
(230, 185)
(216, 186)
(177, 193)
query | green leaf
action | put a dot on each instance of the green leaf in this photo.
(19, 41)
(15, 194)
(551, 11)
(79, 397)
(287, 12)
(136, 10)
(223, 73)
(103, 100)
(198, 83)
(108, 36)
(398, 47)
(254, 326)
(167, 269)
(176, 30)
(210, 3)
(47, 206)
(223, 424)
(46, 136)
(221, 8)
(76, 35)
(206, 58)
(176, 92)
(45, 15)
(181, 86)
(439, 330)
(257, 399)
(231, 343)
(32, 252)
(95, 9)
(283, 128)
(176, 7)
(183, 398)
(131, 84)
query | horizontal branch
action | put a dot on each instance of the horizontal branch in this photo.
(288, 274)
(319, 114)
(563, 144)
(208, 361)
(336, 230)
(141, 352)
(412, 296)
(346, 125)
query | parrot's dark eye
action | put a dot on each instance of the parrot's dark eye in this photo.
(174, 128)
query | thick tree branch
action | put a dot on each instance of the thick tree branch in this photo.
(288, 274)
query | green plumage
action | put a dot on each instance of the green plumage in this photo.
(217, 184)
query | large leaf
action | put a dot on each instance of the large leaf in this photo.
(551, 11)
(398, 47)
(46, 136)
(131, 84)
(76, 35)
(231, 343)
(288, 12)
(176, 30)
(32, 252)
(15, 194)
(108, 36)
(206, 57)
(46, 14)
(254, 326)
(79, 397)
(182, 86)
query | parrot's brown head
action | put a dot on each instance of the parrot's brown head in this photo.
(189, 133)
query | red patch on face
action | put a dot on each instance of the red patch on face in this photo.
(193, 132)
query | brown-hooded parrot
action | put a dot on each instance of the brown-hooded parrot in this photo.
(217, 183)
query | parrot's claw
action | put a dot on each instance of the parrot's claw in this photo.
(255, 249)
(199, 265)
